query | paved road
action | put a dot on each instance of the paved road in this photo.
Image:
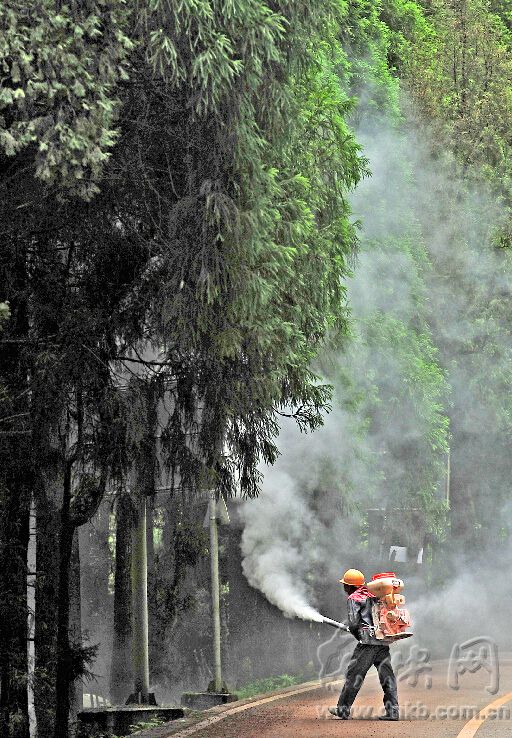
(429, 711)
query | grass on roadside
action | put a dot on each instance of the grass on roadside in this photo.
(268, 684)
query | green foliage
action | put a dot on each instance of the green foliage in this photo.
(460, 75)
(4, 312)
(261, 192)
(269, 684)
(260, 161)
(390, 386)
(370, 43)
(503, 10)
(154, 722)
(60, 66)
(449, 63)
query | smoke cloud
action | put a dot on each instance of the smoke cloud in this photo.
(295, 532)
(427, 250)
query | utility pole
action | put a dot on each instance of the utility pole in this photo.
(214, 563)
(216, 694)
(144, 486)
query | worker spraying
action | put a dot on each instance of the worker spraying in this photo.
(376, 618)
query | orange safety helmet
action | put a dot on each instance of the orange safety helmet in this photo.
(354, 577)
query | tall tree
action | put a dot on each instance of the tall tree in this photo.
(203, 242)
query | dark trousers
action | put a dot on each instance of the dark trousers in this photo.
(362, 658)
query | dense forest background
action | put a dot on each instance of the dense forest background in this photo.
(221, 219)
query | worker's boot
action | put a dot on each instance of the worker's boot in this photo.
(392, 714)
(340, 712)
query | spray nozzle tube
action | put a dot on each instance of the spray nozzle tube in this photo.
(335, 624)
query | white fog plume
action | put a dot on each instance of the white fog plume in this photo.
(294, 534)
(275, 560)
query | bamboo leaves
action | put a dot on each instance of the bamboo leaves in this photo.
(60, 69)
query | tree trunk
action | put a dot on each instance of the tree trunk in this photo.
(140, 641)
(14, 513)
(15, 492)
(48, 506)
(121, 671)
(163, 575)
(150, 507)
(64, 669)
(97, 600)
(31, 603)
(150, 544)
(75, 629)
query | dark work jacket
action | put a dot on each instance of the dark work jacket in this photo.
(360, 621)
